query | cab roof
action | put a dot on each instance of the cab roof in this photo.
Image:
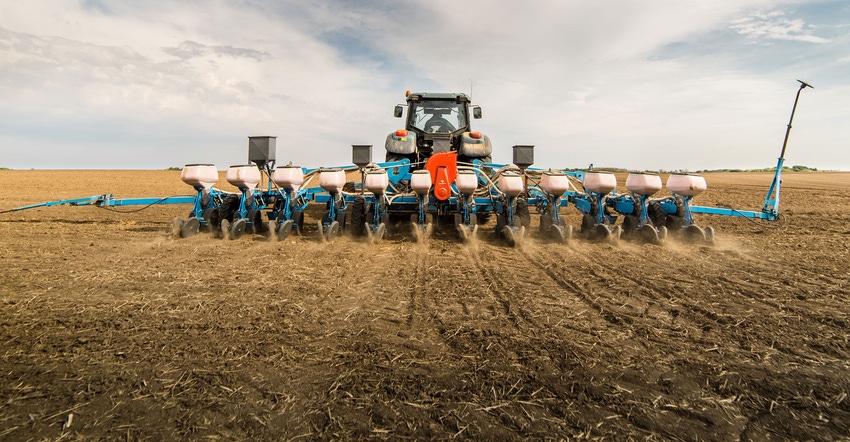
(416, 96)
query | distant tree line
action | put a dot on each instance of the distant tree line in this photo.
(797, 168)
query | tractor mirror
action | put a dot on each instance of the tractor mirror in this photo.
(397, 111)
(476, 112)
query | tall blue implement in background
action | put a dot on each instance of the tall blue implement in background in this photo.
(771, 201)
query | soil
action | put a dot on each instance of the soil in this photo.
(113, 329)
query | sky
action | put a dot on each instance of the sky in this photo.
(635, 84)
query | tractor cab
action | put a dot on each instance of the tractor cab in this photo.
(437, 122)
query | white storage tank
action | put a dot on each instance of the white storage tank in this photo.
(199, 175)
(510, 183)
(643, 183)
(244, 177)
(377, 181)
(554, 182)
(600, 182)
(420, 181)
(466, 182)
(288, 177)
(332, 180)
(686, 185)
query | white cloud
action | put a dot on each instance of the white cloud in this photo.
(586, 82)
(774, 26)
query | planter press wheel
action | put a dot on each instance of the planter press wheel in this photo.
(225, 228)
(695, 234)
(256, 218)
(191, 227)
(649, 234)
(545, 222)
(630, 224)
(500, 224)
(333, 231)
(561, 233)
(284, 230)
(298, 221)
(601, 232)
(466, 232)
(237, 228)
(212, 218)
(513, 235)
(422, 233)
(379, 233)
(674, 223)
(587, 223)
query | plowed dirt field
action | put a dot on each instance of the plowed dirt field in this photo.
(110, 328)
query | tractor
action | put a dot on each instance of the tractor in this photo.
(435, 123)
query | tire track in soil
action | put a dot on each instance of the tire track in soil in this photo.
(747, 278)
(495, 286)
(636, 290)
(777, 312)
(653, 291)
(644, 288)
(695, 316)
(499, 267)
(578, 287)
(416, 298)
(706, 407)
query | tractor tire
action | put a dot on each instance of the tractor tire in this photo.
(545, 222)
(358, 217)
(522, 214)
(341, 219)
(630, 223)
(680, 206)
(258, 223)
(500, 224)
(298, 220)
(656, 214)
(229, 207)
(587, 223)
(212, 219)
(674, 223)
(638, 208)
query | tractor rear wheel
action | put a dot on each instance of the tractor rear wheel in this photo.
(545, 222)
(257, 224)
(674, 223)
(500, 224)
(358, 217)
(298, 220)
(656, 214)
(630, 223)
(229, 206)
(587, 223)
(522, 216)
